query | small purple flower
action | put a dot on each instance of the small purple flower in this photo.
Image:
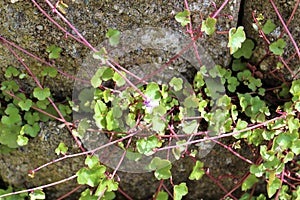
(150, 104)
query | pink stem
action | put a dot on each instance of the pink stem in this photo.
(286, 28)
(224, 135)
(82, 153)
(220, 9)
(70, 25)
(40, 187)
(235, 153)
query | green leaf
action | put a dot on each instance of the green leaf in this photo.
(266, 155)
(106, 185)
(108, 73)
(288, 157)
(277, 47)
(31, 130)
(158, 124)
(111, 123)
(236, 38)
(9, 135)
(146, 145)
(54, 51)
(162, 196)
(182, 17)
(268, 27)
(209, 26)
(13, 117)
(91, 161)
(258, 171)
(10, 85)
(273, 185)
(118, 79)
(177, 151)
(191, 102)
(152, 91)
(190, 127)
(284, 140)
(22, 140)
(41, 94)
(238, 65)
(101, 55)
(293, 124)
(296, 194)
(180, 191)
(198, 80)
(245, 50)
(232, 84)
(87, 195)
(130, 120)
(82, 127)
(37, 194)
(162, 168)
(176, 83)
(61, 149)
(50, 71)
(113, 36)
(249, 182)
(96, 79)
(296, 147)
(159, 110)
(25, 105)
(197, 172)
(11, 71)
(133, 155)
(91, 177)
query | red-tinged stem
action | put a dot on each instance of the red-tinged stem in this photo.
(220, 9)
(168, 191)
(237, 185)
(291, 17)
(235, 153)
(40, 187)
(121, 159)
(190, 30)
(126, 71)
(82, 153)
(71, 192)
(158, 188)
(286, 28)
(54, 22)
(124, 194)
(219, 184)
(292, 178)
(70, 25)
(224, 135)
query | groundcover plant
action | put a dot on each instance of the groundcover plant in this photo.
(145, 121)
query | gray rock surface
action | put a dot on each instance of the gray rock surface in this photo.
(22, 23)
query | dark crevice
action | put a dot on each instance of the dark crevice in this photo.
(241, 13)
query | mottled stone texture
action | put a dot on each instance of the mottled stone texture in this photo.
(23, 24)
